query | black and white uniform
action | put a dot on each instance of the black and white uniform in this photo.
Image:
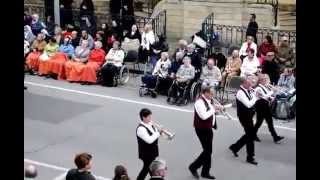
(246, 100)
(263, 109)
(147, 136)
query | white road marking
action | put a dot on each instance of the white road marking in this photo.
(50, 166)
(61, 176)
(130, 101)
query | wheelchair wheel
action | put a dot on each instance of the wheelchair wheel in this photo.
(141, 92)
(169, 94)
(195, 91)
(123, 75)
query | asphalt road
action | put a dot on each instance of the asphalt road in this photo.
(62, 119)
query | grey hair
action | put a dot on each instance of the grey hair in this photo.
(98, 44)
(157, 165)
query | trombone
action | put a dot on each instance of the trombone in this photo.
(223, 111)
(166, 132)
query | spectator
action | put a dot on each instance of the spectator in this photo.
(101, 37)
(50, 25)
(52, 47)
(285, 56)
(86, 72)
(67, 47)
(266, 46)
(66, 16)
(75, 39)
(250, 64)
(176, 63)
(156, 49)
(211, 74)
(195, 60)
(287, 79)
(120, 173)
(49, 52)
(37, 49)
(28, 35)
(232, 68)
(30, 172)
(83, 162)
(88, 37)
(36, 24)
(246, 46)
(158, 169)
(252, 28)
(26, 48)
(27, 19)
(86, 8)
(58, 34)
(271, 67)
(147, 39)
(182, 47)
(133, 34)
(87, 21)
(162, 71)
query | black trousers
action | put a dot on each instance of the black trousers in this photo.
(204, 159)
(264, 112)
(248, 138)
(145, 169)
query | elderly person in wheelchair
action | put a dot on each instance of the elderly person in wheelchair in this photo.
(111, 68)
(178, 92)
(159, 81)
(211, 75)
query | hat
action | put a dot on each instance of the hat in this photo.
(284, 38)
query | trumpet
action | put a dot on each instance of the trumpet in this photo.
(224, 113)
(275, 88)
(166, 132)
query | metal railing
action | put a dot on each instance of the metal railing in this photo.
(151, 5)
(208, 30)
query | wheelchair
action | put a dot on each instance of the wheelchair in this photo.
(151, 86)
(195, 90)
(179, 92)
(284, 106)
(120, 77)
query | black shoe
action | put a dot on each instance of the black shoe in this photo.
(257, 139)
(194, 172)
(25, 87)
(278, 139)
(233, 151)
(208, 176)
(252, 161)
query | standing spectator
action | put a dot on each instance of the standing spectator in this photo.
(285, 56)
(271, 67)
(87, 21)
(147, 39)
(50, 25)
(134, 33)
(36, 24)
(66, 16)
(266, 46)
(28, 35)
(252, 28)
(158, 169)
(232, 68)
(83, 162)
(88, 37)
(246, 46)
(120, 173)
(250, 64)
(195, 60)
(30, 172)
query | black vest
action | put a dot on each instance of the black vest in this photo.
(203, 124)
(147, 151)
(242, 110)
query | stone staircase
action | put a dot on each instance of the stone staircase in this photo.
(287, 19)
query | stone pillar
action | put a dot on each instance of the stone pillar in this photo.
(57, 12)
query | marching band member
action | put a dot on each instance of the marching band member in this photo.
(204, 121)
(264, 97)
(246, 100)
(147, 136)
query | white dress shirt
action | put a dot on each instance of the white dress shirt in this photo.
(241, 96)
(249, 67)
(143, 133)
(147, 39)
(162, 68)
(115, 57)
(201, 109)
(266, 94)
(243, 49)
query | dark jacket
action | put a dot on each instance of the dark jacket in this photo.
(75, 174)
(272, 69)
(252, 29)
(136, 35)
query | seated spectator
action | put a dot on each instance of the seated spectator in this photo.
(67, 47)
(175, 65)
(182, 47)
(266, 46)
(37, 49)
(88, 37)
(81, 56)
(111, 67)
(184, 77)
(28, 35)
(156, 49)
(120, 173)
(49, 52)
(250, 64)
(133, 34)
(101, 37)
(86, 73)
(26, 48)
(271, 67)
(249, 44)
(287, 79)
(36, 24)
(158, 169)
(75, 39)
(211, 74)
(232, 68)
(30, 172)
(83, 162)
(147, 39)
(58, 34)
(285, 54)
(195, 60)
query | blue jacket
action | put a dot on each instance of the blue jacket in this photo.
(67, 49)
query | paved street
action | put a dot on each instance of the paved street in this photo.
(62, 119)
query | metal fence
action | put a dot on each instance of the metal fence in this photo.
(208, 30)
